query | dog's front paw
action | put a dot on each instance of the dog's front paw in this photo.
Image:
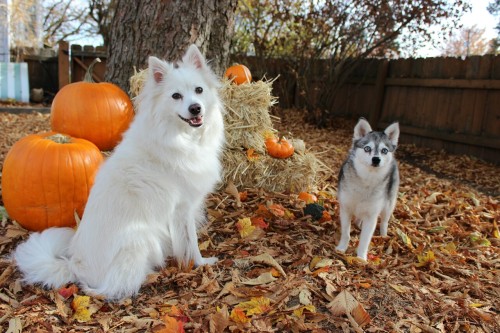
(341, 248)
(206, 261)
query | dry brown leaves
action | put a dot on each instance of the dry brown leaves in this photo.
(437, 271)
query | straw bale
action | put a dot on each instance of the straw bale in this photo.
(296, 173)
(247, 116)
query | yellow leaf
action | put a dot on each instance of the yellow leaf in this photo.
(425, 258)
(299, 313)
(245, 227)
(449, 248)
(256, 305)
(476, 305)
(80, 305)
(496, 233)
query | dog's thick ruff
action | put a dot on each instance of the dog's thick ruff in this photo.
(147, 200)
(368, 184)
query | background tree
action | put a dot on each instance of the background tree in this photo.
(64, 20)
(101, 12)
(165, 29)
(341, 31)
(494, 9)
(466, 42)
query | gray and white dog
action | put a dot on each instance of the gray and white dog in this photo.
(368, 184)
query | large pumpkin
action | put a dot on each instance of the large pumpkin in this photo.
(47, 177)
(239, 74)
(98, 112)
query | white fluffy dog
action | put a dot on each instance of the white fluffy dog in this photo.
(148, 198)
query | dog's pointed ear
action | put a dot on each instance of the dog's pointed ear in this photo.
(194, 57)
(157, 69)
(361, 129)
(392, 132)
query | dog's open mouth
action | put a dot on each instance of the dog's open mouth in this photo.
(195, 121)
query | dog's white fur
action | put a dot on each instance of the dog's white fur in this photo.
(148, 198)
(365, 191)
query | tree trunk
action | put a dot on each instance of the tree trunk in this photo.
(165, 29)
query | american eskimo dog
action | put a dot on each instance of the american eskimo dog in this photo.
(368, 184)
(148, 198)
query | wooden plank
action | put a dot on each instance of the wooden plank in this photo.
(475, 140)
(444, 83)
(376, 111)
(63, 63)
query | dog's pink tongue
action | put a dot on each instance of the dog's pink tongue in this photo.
(196, 120)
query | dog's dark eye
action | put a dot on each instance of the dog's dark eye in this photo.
(198, 90)
(367, 149)
(176, 96)
(385, 151)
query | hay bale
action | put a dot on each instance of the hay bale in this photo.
(247, 121)
(296, 173)
(247, 118)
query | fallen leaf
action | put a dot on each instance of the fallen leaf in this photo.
(256, 305)
(264, 278)
(69, 291)
(172, 325)
(266, 258)
(299, 312)
(258, 221)
(239, 316)
(345, 303)
(233, 191)
(219, 320)
(406, 240)
(252, 156)
(425, 258)
(245, 227)
(80, 305)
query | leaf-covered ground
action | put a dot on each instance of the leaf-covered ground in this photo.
(437, 271)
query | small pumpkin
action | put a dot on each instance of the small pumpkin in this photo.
(279, 148)
(98, 112)
(239, 74)
(46, 177)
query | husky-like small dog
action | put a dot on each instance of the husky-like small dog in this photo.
(147, 201)
(368, 184)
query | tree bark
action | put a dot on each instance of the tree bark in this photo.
(165, 29)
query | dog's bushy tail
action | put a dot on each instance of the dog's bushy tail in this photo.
(43, 258)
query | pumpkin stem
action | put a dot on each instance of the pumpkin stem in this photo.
(59, 138)
(88, 73)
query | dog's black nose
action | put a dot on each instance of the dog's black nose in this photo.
(195, 109)
(375, 161)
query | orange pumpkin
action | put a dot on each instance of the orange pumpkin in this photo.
(279, 148)
(46, 177)
(239, 74)
(98, 112)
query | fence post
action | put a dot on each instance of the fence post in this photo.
(376, 112)
(63, 63)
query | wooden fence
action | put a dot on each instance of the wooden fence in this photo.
(442, 103)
